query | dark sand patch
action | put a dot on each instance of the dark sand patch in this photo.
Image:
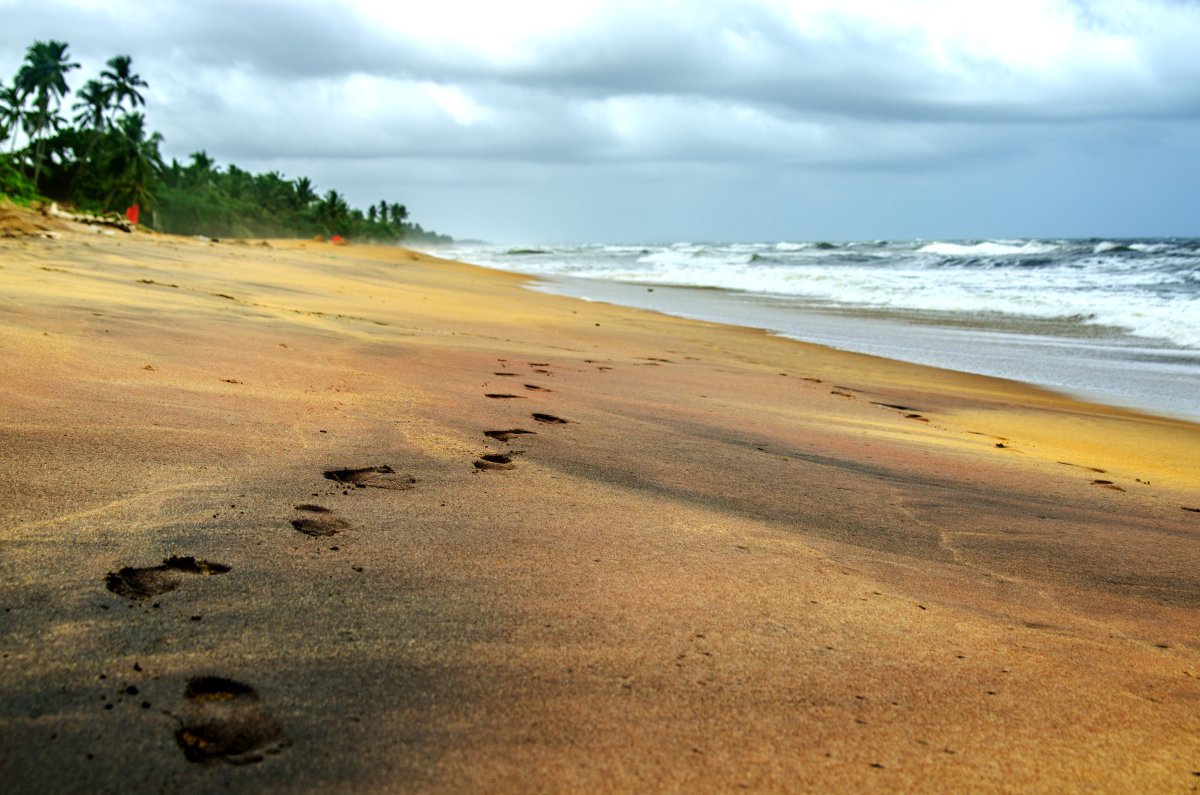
(550, 419)
(378, 477)
(495, 461)
(142, 583)
(504, 436)
(226, 723)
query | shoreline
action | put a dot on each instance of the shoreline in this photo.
(716, 557)
(1090, 364)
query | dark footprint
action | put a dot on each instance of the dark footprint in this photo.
(325, 524)
(495, 461)
(537, 388)
(381, 477)
(550, 418)
(504, 436)
(506, 375)
(142, 583)
(225, 722)
(501, 396)
(1107, 484)
(895, 406)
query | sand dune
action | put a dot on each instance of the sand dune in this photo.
(475, 538)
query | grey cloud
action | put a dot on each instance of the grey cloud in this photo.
(653, 94)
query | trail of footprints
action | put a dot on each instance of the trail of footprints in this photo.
(501, 461)
(222, 719)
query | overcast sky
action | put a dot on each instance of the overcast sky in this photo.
(554, 121)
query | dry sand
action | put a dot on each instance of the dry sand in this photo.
(741, 563)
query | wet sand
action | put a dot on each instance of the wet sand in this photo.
(1094, 363)
(268, 524)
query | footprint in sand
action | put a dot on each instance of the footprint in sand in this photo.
(908, 411)
(504, 436)
(536, 388)
(380, 477)
(495, 461)
(322, 523)
(550, 419)
(142, 583)
(502, 396)
(225, 722)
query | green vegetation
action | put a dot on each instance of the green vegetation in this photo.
(105, 159)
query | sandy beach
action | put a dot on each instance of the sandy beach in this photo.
(295, 517)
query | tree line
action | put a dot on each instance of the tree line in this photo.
(105, 159)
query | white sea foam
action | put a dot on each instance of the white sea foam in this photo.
(1152, 292)
(991, 248)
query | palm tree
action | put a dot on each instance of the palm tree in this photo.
(201, 168)
(92, 118)
(122, 83)
(236, 181)
(399, 214)
(94, 101)
(12, 112)
(306, 192)
(333, 210)
(272, 191)
(136, 162)
(44, 75)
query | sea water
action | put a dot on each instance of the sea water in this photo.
(1114, 320)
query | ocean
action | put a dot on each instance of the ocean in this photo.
(1116, 321)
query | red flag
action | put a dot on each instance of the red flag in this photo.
(132, 214)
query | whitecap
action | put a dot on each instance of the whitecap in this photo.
(988, 248)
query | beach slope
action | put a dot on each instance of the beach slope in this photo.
(299, 517)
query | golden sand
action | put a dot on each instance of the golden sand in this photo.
(741, 561)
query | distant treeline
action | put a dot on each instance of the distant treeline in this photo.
(103, 159)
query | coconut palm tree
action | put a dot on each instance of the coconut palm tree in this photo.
(305, 191)
(122, 83)
(135, 162)
(12, 113)
(91, 117)
(200, 170)
(334, 211)
(94, 101)
(44, 75)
